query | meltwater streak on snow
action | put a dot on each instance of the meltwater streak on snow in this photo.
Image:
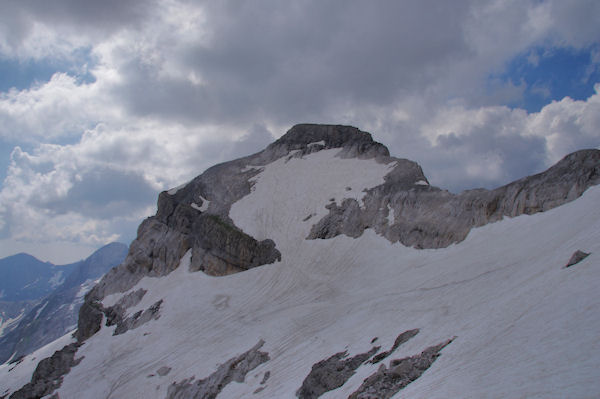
(520, 318)
(14, 376)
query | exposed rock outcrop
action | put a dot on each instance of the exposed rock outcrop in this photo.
(331, 373)
(234, 369)
(138, 318)
(577, 257)
(49, 373)
(400, 339)
(427, 217)
(387, 381)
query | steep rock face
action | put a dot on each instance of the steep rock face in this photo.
(423, 216)
(49, 373)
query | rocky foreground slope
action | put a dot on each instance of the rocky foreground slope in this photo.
(372, 283)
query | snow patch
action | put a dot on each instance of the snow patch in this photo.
(391, 215)
(174, 190)
(285, 192)
(6, 325)
(421, 183)
(57, 279)
(322, 142)
(248, 168)
(204, 206)
(37, 314)
(84, 288)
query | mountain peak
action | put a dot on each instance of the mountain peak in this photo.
(331, 136)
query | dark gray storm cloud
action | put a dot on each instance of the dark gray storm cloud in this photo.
(17, 18)
(270, 59)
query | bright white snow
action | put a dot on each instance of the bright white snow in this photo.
(8, 323)
(37, 314)
(391, 215)
(57, 279)
(203, 207)
(525, 326)
(174, 190)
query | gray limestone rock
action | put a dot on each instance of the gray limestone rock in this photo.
(577, 257)
(400, 339)
(386, 382)
(427, 217)
(139, 318)
(49, 373)
(234, 369)
(331, 373)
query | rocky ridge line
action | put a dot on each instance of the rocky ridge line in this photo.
(428, 217)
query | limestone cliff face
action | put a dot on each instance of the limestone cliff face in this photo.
(423, 216)
(405, 208)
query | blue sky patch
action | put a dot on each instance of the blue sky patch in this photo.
(22, 74)
(552, 74)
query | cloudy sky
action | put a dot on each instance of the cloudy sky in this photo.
(105, 104)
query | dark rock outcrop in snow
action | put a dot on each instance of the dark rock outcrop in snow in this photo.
(49, 373)
(331, 373)
(387, 381)
(334, 371)
(138, 318)
(234, 369)
(400, 339)
(577, 257)
(115, 315)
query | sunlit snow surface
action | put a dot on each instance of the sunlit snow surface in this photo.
(525, 326)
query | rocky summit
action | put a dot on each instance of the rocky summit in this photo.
(324, 267)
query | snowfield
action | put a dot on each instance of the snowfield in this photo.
(525, 326)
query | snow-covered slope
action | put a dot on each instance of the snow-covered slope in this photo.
(508, 319)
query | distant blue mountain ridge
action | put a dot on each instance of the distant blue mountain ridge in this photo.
(40, 301)
(25, 278)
